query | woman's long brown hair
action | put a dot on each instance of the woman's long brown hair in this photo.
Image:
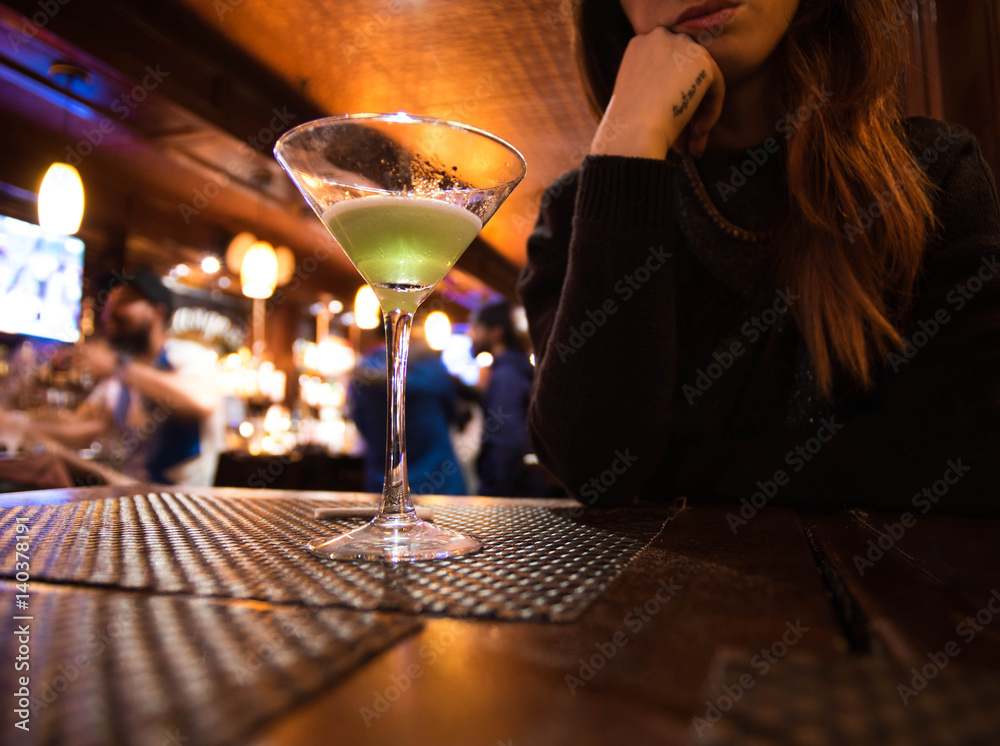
(859, 213)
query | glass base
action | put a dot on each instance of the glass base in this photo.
(395, 540)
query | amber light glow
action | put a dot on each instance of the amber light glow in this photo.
(437, 329)
(366, 308)
(259, 271)
(61, 200)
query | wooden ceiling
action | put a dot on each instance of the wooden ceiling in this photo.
(503, 66)
(232, 64)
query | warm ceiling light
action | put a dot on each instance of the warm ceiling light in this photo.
(484, 360)
(366, 308)
(286, 264)
(60, 197)
(259, 271)
(437, 329)
(210, 265)
(237, 249)
(60, 200)
(333, 356)
(335, 306)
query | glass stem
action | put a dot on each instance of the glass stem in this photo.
(396, 490)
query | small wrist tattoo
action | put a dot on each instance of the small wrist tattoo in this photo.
(687, 95)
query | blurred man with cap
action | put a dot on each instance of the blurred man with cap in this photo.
(158, 396)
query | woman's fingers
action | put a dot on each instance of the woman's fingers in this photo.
(668, 86)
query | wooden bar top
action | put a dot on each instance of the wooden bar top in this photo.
(635, 666)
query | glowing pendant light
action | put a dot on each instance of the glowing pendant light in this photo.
(259, 271)
(60, 200)
(437, 330)
(366, 308)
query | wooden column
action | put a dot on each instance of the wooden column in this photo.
(954, 71)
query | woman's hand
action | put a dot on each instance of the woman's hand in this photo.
(668, 93)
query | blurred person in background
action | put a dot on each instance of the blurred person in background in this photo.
(156, 407)
(431, 409)
(501, 465)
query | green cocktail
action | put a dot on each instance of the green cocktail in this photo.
(402, 246)
(404, 196)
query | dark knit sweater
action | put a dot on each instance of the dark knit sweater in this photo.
(668, 364)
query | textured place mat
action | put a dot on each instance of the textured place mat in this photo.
(856, 700)
(537, 562)
(116, 667)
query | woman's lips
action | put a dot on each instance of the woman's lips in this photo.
(707, 21)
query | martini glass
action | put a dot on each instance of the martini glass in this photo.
(404, 196)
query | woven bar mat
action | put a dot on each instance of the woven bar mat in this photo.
(537, 563)
(809, 702)
(115, 667)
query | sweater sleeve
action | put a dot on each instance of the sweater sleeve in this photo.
(929, 438)
(599, 278)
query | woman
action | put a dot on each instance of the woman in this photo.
(762, 286)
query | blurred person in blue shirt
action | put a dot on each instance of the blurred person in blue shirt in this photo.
(501, 464)
(431, 407)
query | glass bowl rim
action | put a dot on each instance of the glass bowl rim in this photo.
(403, 117)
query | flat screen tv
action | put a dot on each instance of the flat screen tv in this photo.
(41, 282)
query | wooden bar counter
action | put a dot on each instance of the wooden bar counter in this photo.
(646, 663)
